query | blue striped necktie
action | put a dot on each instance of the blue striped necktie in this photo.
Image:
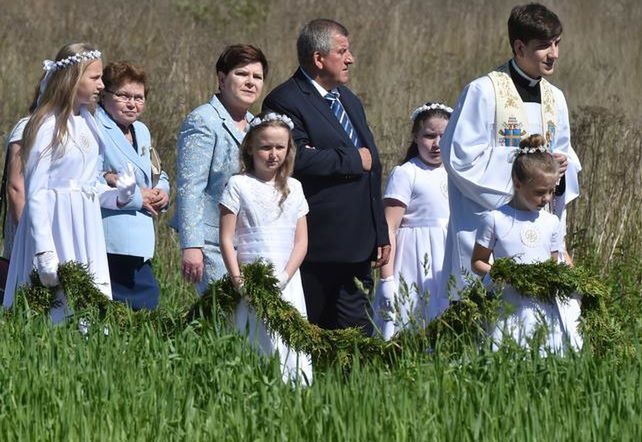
(337, 109)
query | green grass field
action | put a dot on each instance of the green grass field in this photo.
(203, 382)
(208, 385)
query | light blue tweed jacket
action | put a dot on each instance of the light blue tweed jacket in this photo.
(207, 155)
(130, 230)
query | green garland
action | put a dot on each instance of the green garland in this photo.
(546, 281)
(85, 299)
(464, 323)
(262, 293)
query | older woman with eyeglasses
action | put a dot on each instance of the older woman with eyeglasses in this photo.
(129, 232)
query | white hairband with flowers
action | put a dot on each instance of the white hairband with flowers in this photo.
(52, 66)
(433, 106)
(525, 151)
(272, 116)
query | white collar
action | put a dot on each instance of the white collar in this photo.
(532, 82)
(320, 89)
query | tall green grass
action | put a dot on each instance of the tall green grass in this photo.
(207, 385)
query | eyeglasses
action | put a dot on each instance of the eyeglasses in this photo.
(124, 97)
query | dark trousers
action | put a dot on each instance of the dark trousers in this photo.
(332, 298)
(133, 281)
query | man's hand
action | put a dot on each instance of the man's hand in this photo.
(562, 161)
(192, 263)
(366, 158)
(383, 255)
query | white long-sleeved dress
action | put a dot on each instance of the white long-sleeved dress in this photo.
(479, 170)
(62, 211)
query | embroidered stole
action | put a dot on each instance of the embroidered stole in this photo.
(510, 114)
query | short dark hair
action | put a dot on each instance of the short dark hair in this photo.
(240, 54)
(533, 21)
(316, 37)
(118, 72)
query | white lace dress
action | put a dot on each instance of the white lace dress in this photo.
(263, 230)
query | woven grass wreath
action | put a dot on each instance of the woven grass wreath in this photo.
(463, 323)
(86, 300)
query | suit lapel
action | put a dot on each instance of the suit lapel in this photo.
(122, 144)
(320, 104)
(228, 122)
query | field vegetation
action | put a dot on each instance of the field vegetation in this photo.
(204, 383)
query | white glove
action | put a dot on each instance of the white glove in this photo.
(47, 266)
(386, 296)
(283, 279)
(126, 185)
(491, 288)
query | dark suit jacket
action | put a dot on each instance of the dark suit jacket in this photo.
(346, 221)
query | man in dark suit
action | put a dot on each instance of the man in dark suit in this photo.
(338, 164)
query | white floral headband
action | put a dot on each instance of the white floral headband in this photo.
(272, 116)
(525, 151)
(52, 66)
(427, 107)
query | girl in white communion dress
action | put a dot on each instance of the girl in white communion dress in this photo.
(416, 209)
(62, 156)
(524, 231)
(263, 214)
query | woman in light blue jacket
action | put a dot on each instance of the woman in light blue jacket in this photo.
(208, 154)
(129, 232)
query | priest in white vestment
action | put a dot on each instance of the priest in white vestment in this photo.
(492, 115)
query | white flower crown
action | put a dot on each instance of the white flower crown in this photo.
(272, 116)
(52, 66)
(432, 106)
(527, 150)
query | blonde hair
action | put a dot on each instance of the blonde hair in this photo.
(57, 99)
(286, 169)
(528, 163)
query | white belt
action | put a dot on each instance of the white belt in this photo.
(66, 186)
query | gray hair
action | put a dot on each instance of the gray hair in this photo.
(316, 37)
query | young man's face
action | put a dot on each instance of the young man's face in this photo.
(537, 57)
